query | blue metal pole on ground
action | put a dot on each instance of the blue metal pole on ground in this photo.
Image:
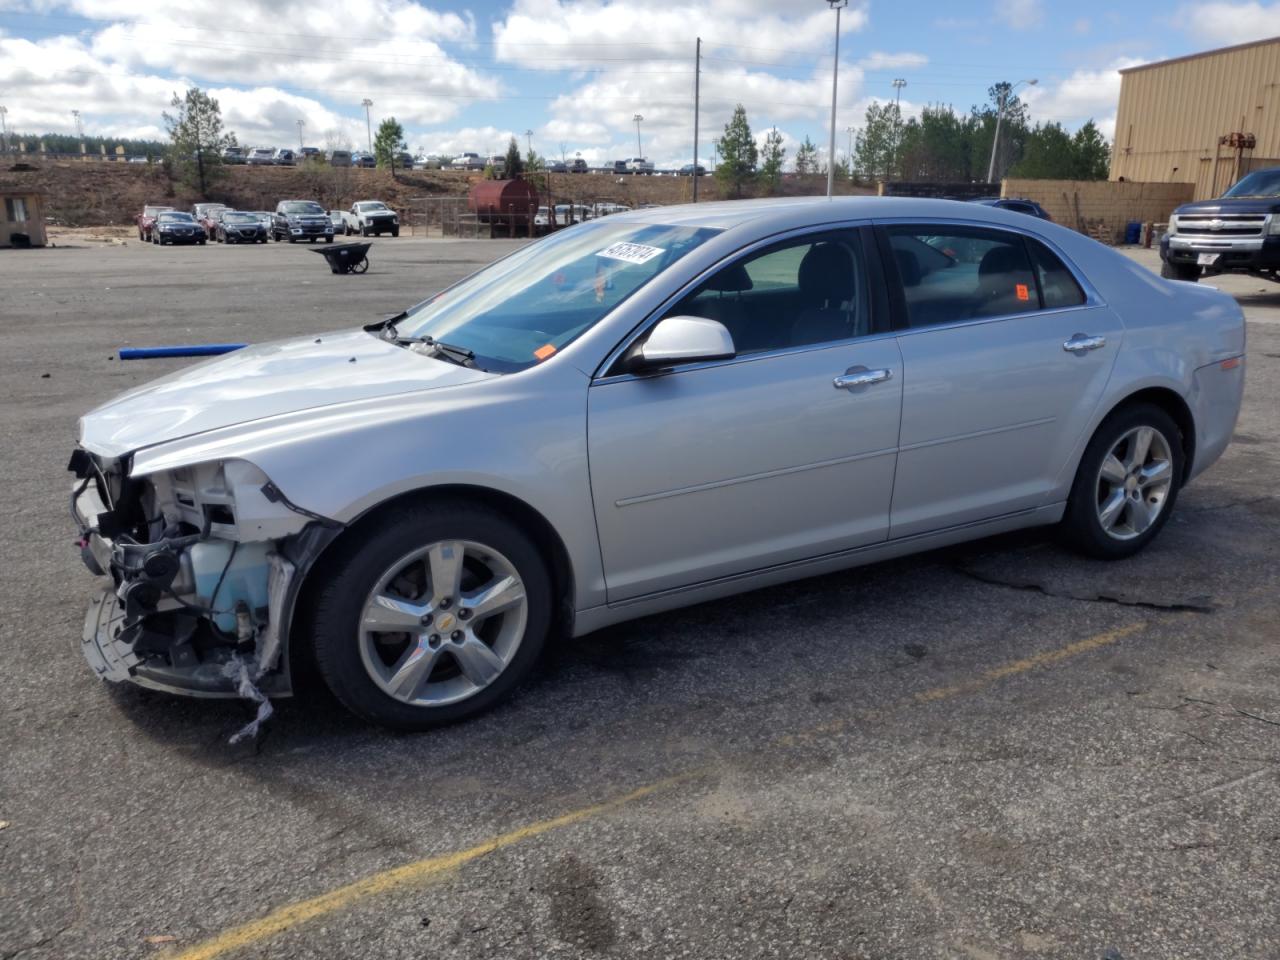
(199, 350)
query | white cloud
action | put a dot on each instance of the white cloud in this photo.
(1084, 95)
(877, 60)
(1019, 14)
(272, 63)
(1225, 23)
(777, 80)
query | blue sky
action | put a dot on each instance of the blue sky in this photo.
(466, 76)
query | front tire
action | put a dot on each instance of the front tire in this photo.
(1127, 483)
(1189, 272)
(432, 614)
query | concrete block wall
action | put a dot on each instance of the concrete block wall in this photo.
(1106, 205)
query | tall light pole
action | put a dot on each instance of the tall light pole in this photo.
(850, 131)
(368, 123)
(4, 129)
(639, 149)
(528, 140)
(837, 6)
(898, 84)
(79, 128)
(1000, 105)
(301, 123)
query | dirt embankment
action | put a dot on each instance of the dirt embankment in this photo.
(81, 194)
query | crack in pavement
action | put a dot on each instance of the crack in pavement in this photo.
(1189, 606)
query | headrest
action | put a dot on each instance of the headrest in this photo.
(826, 273)
(732, 279)
(1003, 259)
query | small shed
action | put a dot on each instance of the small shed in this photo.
(507, 202)
(22, 217)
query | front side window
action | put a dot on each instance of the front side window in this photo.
(797, 293)
(950, 273)
(526, 307)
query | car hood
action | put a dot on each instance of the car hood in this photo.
(263, 381)
(1232, 205)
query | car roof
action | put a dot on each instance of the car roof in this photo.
(779, 214)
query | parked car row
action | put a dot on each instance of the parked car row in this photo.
(292, 220)
(285, 157)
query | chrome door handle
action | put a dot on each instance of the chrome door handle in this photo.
(1082, 343)
(860, 377)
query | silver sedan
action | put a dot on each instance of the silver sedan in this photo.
(640, 413)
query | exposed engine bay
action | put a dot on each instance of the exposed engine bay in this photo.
(204, 565)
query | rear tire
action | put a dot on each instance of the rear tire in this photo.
(1126, 485)
(1180, 271)
(357, 664)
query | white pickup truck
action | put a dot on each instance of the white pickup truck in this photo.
(368, 217)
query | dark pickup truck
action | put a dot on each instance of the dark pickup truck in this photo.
(1237, 233)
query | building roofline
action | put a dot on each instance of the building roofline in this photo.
(1197, 56)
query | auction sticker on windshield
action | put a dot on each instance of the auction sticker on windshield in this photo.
(631, 252)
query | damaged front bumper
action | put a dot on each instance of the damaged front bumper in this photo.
(196, 605)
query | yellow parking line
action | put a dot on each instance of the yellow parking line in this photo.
(419, 871)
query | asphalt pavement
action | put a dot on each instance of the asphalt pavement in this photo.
(995, 751)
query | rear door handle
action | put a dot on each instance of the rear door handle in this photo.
(856, 377)
(1082, 343)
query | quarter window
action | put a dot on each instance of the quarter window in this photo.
(1057, 285)
(796, 293)
(955, 273)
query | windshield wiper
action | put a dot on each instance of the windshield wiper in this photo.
(454, 354)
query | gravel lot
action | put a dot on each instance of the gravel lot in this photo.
(995, 751)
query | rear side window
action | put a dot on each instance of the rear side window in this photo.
(1057, 284)
(950, 273)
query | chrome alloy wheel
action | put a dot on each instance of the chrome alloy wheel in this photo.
(1134, 483)
(442, 623)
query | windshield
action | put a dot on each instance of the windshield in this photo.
(1260, 183)
(239, 218)
(184, 217)
(153, 211)
(523, 309)
(302, 207)
(371, 206)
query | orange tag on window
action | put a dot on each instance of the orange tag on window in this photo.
(544, 351)
(1023, 292)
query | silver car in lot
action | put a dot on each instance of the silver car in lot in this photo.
(647, 411)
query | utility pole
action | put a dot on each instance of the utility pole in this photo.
(368, 123)
(1000, 105)
(837, 6)
(850, 131)
(4, 129)
(301, 123)
(639, 149)
(79, 129)
(697, 78)
(528, 140)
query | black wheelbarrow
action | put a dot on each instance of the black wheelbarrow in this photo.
(347, 257)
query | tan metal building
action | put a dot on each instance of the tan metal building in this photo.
(1208, 118)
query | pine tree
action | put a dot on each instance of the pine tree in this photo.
(387, 142)
(771, 160)
(514, 165)
(197, 139)
(738, 153)
(807, 157)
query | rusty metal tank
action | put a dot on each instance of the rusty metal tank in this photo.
(503, 201)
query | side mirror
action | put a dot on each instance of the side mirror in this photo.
(683, 340)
